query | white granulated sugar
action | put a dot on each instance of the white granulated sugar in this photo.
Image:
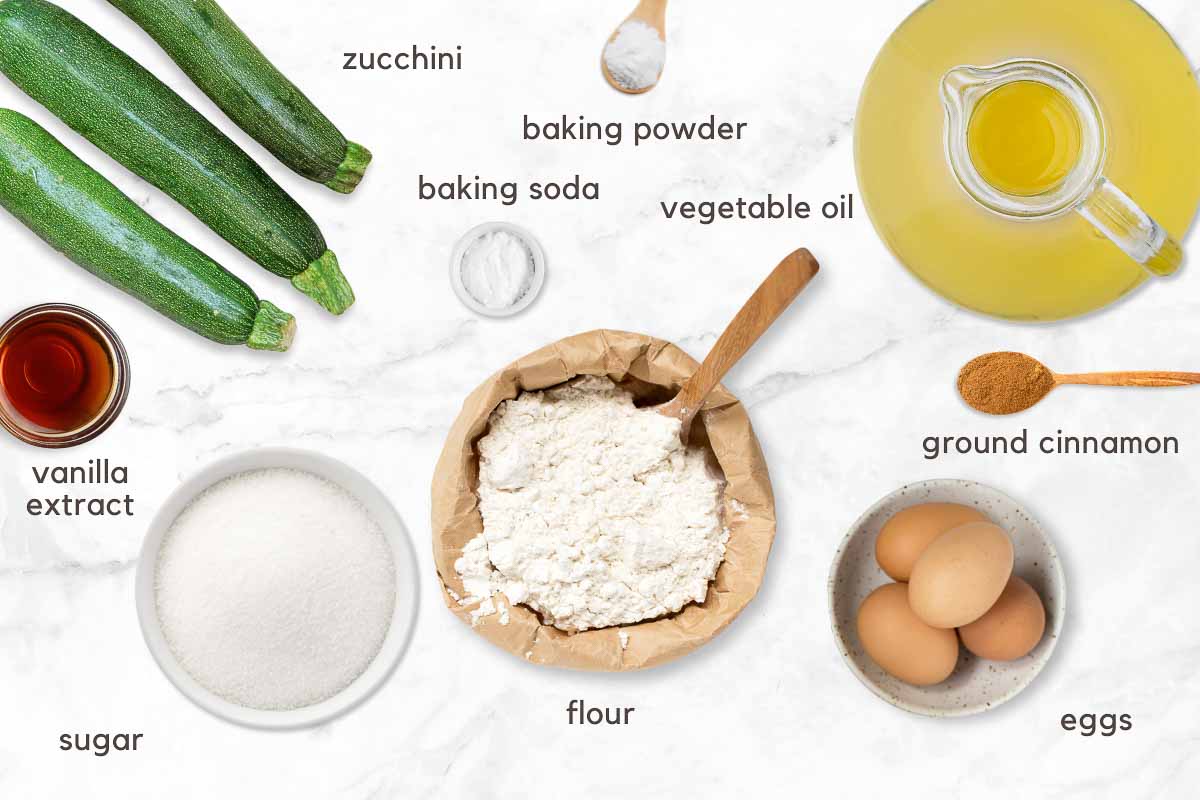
(594, 513)
(498, 269)
(635, 58)
(275, 589)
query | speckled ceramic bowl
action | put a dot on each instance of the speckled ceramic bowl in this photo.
(976, 685)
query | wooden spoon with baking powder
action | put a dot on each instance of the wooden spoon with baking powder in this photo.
(1007, 383)
(762, 309)
(654, 14)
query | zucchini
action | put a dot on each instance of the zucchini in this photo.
(78, 212)
(220, 59)
(134, 117)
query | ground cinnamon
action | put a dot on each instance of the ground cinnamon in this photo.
(1004, 383)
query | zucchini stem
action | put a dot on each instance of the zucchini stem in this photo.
(324, 282)
(273, 329)
(350, 172)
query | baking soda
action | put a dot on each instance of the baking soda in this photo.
(275, 589)
(498, 270)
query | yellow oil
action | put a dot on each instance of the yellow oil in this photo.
(1043, 270)
(1024, 138)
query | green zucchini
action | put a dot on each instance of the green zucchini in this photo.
(78, 212)
(226, 65)
(134, 117)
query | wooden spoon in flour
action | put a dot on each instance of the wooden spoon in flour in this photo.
(652, 13)
(762, 309)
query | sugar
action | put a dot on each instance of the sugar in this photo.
(275, 589)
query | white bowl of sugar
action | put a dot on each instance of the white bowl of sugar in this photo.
(277, 588)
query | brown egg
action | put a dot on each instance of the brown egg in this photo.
(901, 643)
(1013, 626)
(961, 575)
(906, 535)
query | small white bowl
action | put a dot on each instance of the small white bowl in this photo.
(976, 685)
(539, 268)
(403, 618)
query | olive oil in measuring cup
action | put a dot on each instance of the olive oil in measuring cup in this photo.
(1028, 159)
(1024, 138)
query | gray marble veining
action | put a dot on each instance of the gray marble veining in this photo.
(842, 393)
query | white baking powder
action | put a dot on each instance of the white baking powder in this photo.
(635, 58)
(275, 589)
(594, 513)
(498, 269)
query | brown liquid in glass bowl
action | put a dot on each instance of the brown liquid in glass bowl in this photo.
(63, 376)
(55, 375)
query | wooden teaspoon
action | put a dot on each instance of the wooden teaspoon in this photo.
(654, 14)
(775, 294)
(1008, 383)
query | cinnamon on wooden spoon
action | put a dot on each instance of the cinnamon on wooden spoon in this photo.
(777, 292)
(1008, 383)
(652, 13)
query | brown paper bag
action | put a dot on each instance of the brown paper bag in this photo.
(653, 370)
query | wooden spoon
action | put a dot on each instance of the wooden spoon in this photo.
(654, 14)
(1007, 383)
(762, 309)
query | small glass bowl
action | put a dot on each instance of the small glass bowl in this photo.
(118, 392)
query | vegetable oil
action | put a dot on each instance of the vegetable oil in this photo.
(1023, 138)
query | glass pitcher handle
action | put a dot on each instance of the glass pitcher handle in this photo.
(1114, 214)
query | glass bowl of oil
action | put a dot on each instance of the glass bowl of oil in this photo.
(1028, 142)
(64, 376)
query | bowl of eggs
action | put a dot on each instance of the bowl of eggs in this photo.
(947, 598)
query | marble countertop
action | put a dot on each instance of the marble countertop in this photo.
(841, 392)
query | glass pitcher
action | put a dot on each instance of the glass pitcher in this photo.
(1026, 139)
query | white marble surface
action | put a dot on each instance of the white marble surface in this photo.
(842, 392)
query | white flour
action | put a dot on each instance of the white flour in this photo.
(275, 589)
(594, 514)
(635, 58)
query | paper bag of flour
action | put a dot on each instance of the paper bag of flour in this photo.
(653, 370)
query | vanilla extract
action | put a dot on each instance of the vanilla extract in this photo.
(96, 472)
